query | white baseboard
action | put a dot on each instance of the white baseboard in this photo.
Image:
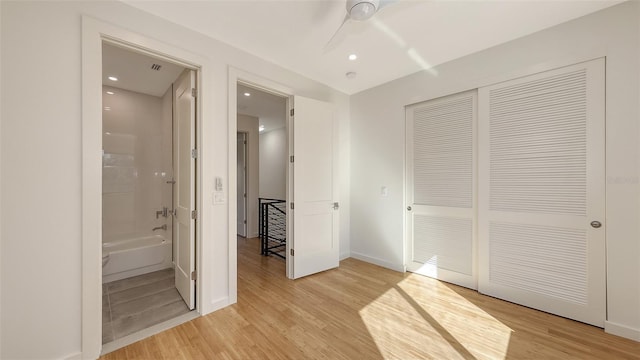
(345, 256)
(217, 305)
(76, 356)
(622, 330)
(379, 262)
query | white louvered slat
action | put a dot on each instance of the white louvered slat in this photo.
(546, 260)
(443, 242)
(538, 140)
(443, 152)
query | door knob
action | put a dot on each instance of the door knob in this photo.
(596, 224)
(408, 208)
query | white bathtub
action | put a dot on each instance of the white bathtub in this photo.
(136, 256)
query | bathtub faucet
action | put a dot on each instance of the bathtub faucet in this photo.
(163, 227)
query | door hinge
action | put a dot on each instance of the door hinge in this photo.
(291, 206)
(291, 252)
(194, 153)
(194, 214)
(291, 112)
(291, 158)
(194, 92)
(336, 206)
(193, 275)
(244, 221)
(245, 142)
(244, 195)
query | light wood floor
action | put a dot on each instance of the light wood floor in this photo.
(361, 311)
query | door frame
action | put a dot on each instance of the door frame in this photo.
(255, 81)
(246, 182)
(94, 34)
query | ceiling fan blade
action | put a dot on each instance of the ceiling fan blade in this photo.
(333, 42)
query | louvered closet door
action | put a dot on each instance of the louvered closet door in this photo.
(440, 188)
(541, 184)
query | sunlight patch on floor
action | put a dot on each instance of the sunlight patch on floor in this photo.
(421, 317)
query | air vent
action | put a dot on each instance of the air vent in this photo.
(156, 67)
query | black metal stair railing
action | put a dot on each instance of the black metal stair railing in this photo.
(272, 227)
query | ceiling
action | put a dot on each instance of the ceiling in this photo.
(134, 73)
(270, 109)
(403, 38)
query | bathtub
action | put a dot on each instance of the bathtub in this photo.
(136, 256)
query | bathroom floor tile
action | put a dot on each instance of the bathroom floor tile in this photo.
(141, 291)
(144, 303)
(140, 280)
(136, 322)
(133, 304)
(107, 332)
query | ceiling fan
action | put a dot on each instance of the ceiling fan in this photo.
(360, 10)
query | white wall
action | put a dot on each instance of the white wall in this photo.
(273, 164)
(249, 125)
(42, 154)
(377, 142)
(136, 166)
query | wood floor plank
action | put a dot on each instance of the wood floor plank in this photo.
(362, 311)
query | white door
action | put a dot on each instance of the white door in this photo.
(242, 184)
(184, 190)
(541, 185)
(314, 246)
(440, 136)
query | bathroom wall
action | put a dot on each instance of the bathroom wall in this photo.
(273, 164)
(136, 164)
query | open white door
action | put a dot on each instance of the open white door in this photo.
(242, 184)
(184, 121)
(314, 247)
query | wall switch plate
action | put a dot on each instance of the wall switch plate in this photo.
(218, 198)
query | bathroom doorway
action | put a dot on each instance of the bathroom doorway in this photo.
(148, 191)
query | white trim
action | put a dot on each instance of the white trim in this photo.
(236, 75)
(345, 255)
(377, 261)
(622, 330)
(94, 32)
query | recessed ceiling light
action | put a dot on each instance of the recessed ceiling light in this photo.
(112, 78)
(261, 128)
(108, 108)
(351, 75)
(247, 94)
(353, 57)
(110, 93)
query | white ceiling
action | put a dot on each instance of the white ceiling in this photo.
(270, 109)
(403, 38)
(134, 71)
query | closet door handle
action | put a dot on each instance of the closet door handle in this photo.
(595, 224)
